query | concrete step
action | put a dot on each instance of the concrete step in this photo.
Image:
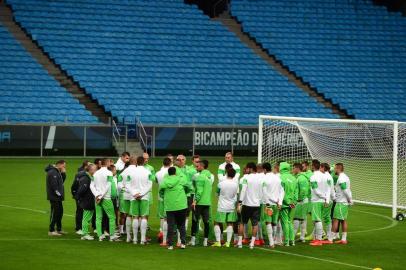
(133, 147)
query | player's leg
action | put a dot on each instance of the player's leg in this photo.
(286, 224)
(135, 214)
(86, 221)
(206, 221)
(219, 218)
(144, 213)
(317, 211)
(195, 224)
(267, 219)
(99, 217)
(170, 218)
(244, 220)
(108, 208)
(231, 218)
(254, 217)
(341, 214)
(180, 218)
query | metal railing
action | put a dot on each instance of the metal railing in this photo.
(144, 138)
(118, 136)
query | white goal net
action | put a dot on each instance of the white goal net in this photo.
(373, 152)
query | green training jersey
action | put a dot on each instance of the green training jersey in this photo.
(204, 184)
(173, 189)
(303, 186)
(289, 184)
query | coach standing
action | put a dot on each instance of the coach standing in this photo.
(56, 175)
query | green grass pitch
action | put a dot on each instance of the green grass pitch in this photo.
(375, 240)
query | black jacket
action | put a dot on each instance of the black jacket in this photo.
(84, 195)
(55, 180)
(75, 183)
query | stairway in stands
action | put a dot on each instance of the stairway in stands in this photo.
(36, 51)
(233, 25)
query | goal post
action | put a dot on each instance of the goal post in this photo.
(373, 152)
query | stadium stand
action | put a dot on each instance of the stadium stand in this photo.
(351, 51)
(164, 59)
(28, 93)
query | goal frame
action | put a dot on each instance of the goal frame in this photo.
(395, 125)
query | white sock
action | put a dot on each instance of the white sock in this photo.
(193, 240)
(236, 237)
(144, 226)
(303, 229)
(161, 225)
(279, 233)
(296, 224)
(179, 241)
(329, 233)
(259, 232)
(217, 232)
(274, 228)
(205, 242)
(270, 234)
(229, 233)
(128, 227)
(252, 241)
(186, 223)
(135, 229)
(121, 228)
(344, 236)
(240, 240)
(165, 231)
(318, 230)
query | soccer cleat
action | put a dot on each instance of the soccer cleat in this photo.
(163, 244)
(258, 242)
(182, 246)
(216, 244)
(326, 242)
(302, 240)
(292, 243)
(62, 232)
(54, 234)
(170, 248)
(316, 243)
(341, 242)
(178, 244)
(270, 246)
(246, 241)
(192, 243)
(115, 238)
(143, 243)
(135, 241)
(128, 239)
(87, 237)
(227, 245)
(251, 246)
(239, 246)
(309, 238)
(235, 242)
(79, 232)
(286, 244)
(160, 236)
(102, 237)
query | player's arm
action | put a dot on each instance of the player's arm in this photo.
(243, 190)
(316, 190)
(199, 187)
(94, 189)
(220, 173)
(148, 186)
(346, 191)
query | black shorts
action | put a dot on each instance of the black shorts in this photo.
(250, 213)
(115, 203)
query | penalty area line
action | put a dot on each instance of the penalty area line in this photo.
(315, 258)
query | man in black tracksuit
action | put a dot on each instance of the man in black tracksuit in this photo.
(56, 175)
(73, 189)
(86, 200)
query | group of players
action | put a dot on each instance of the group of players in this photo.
(277, 201)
